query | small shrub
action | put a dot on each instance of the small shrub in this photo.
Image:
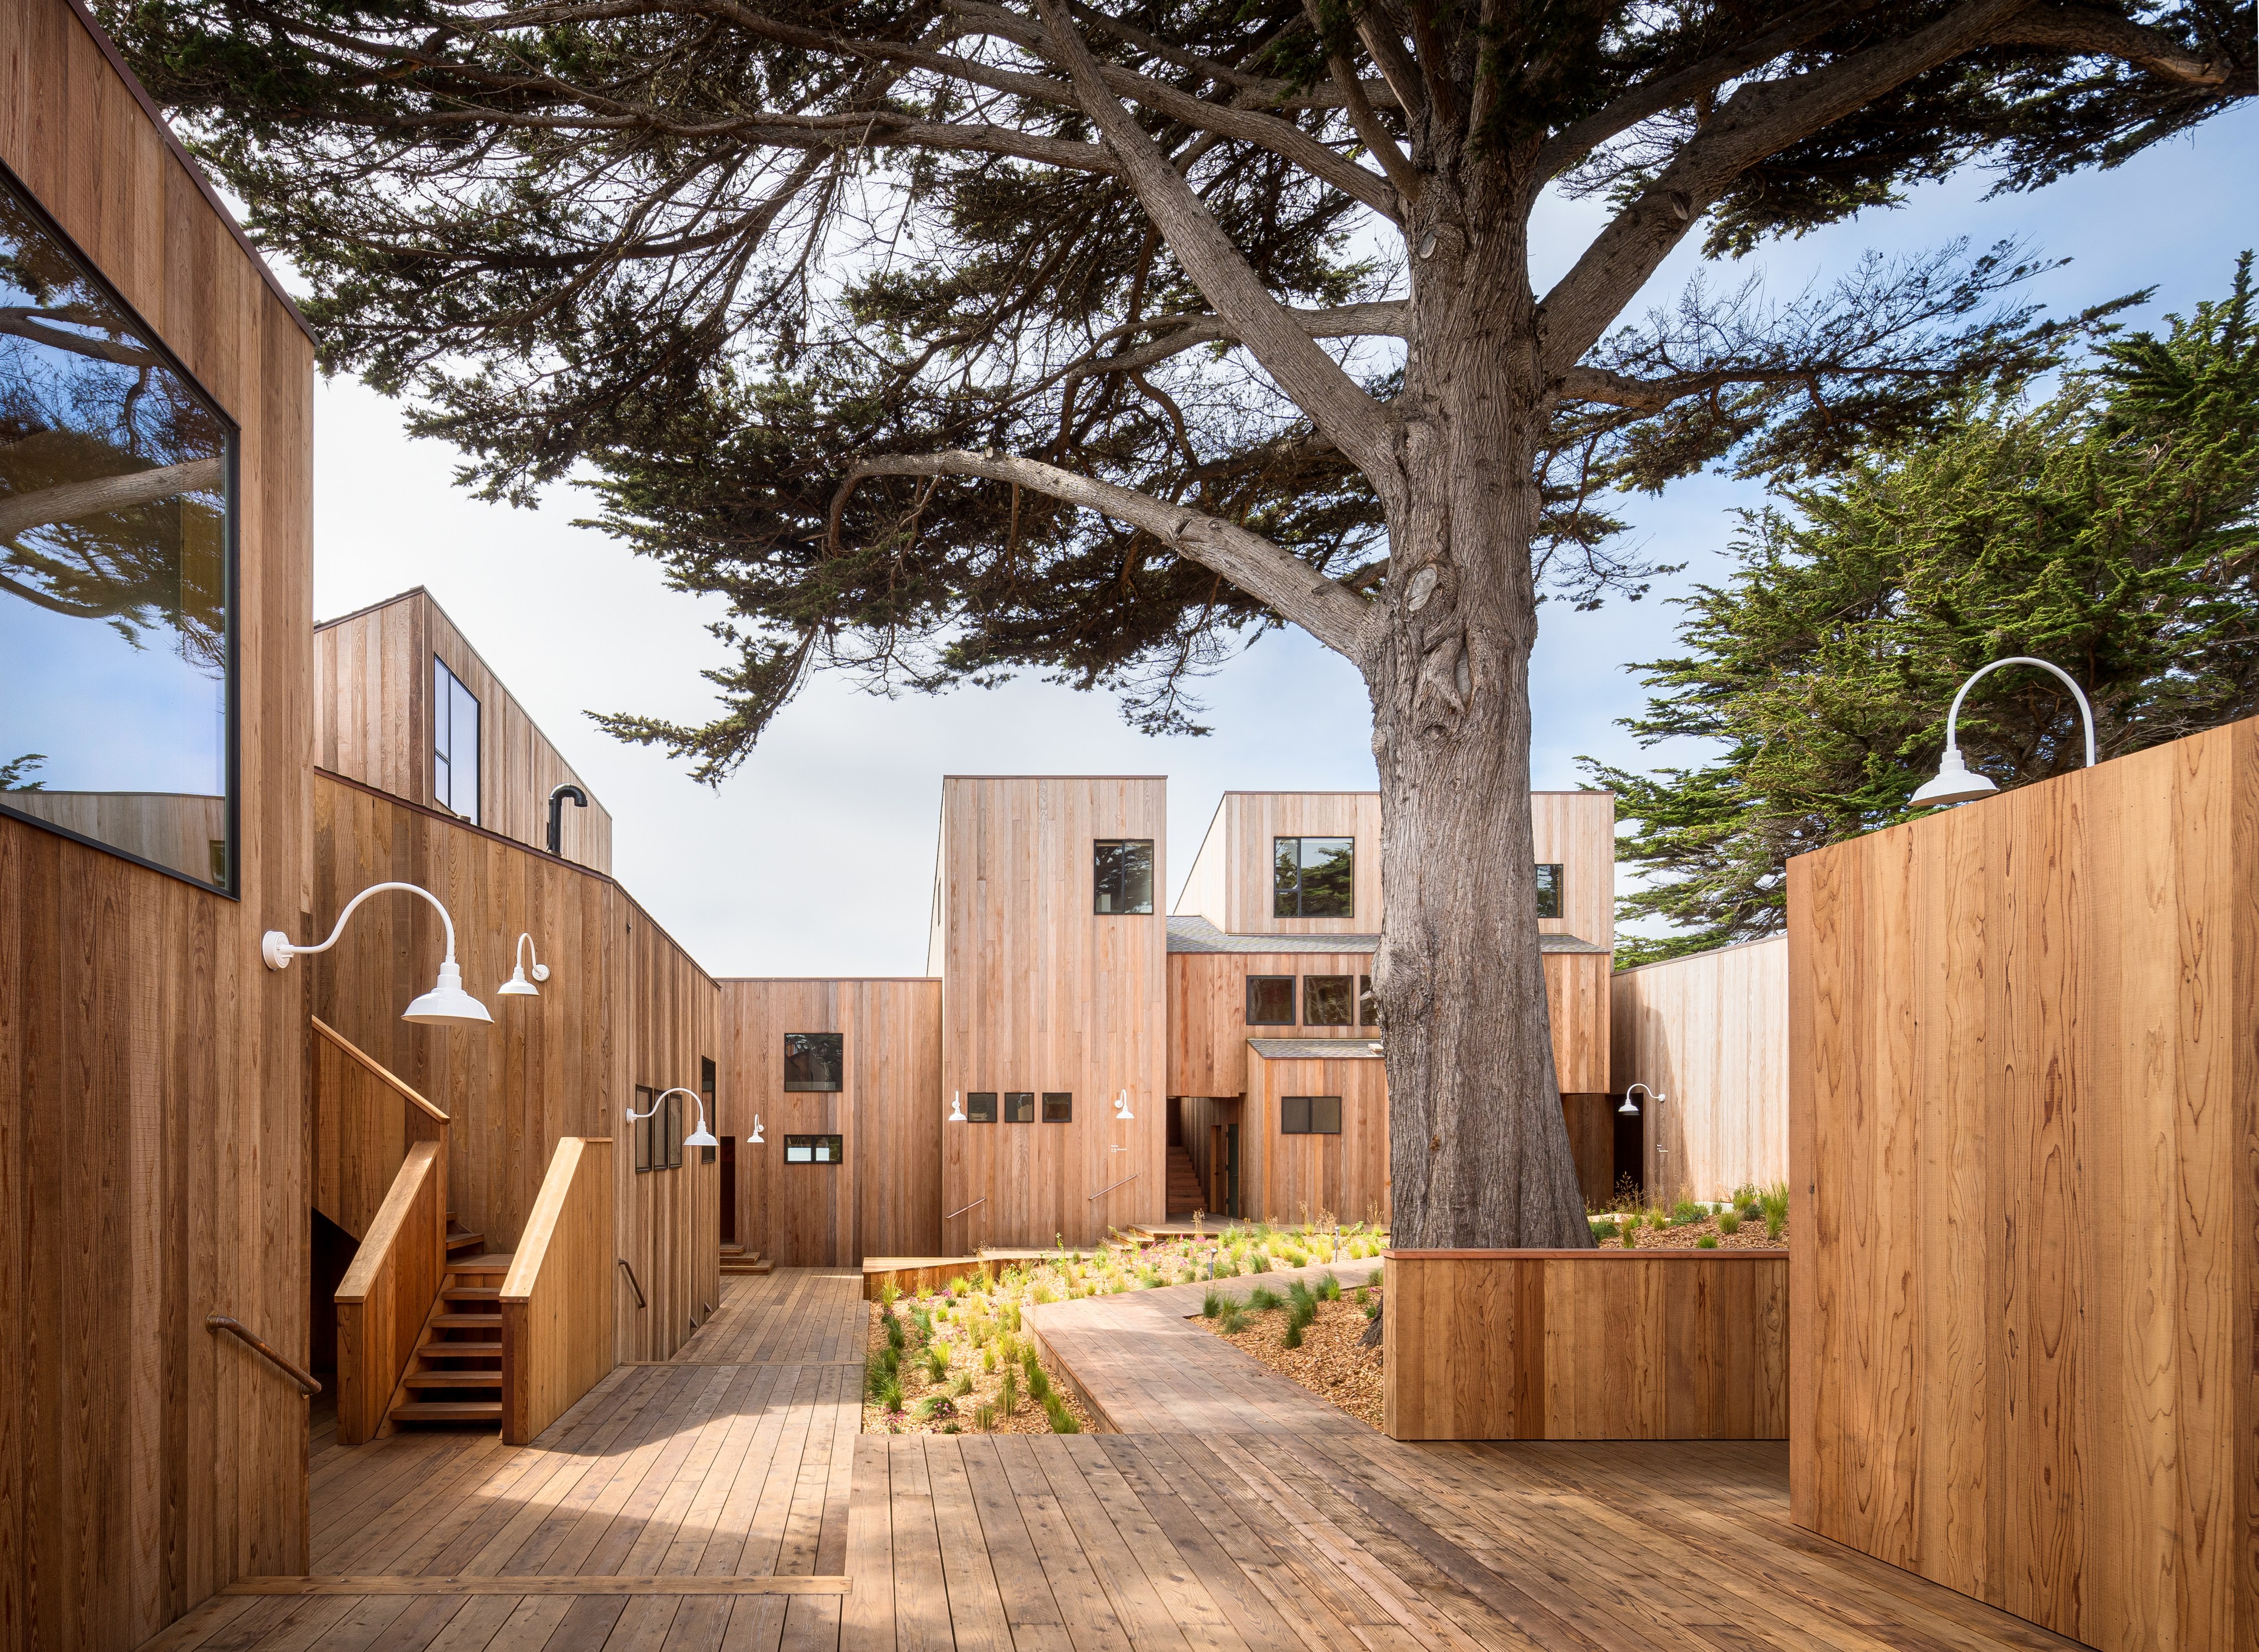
(1012, 1316)
(1729, 1221)
(1041, 1295)
(1375, 1280)
(984, 1419)
(1212, 1305)
(1744, 1196)
(1363, 1296)
(962, 1386)
(876, 1375)
(1297, 1259)
(1708, 1242)
(1329, 1289)
(1686, 1211)
(923, 1320)
(937, 1361)
(889, 1294)
(1232, 1321)
(1062, 1419)
(1039, 1382)
(890, 1396)
(935, 1405)
(1008, 1392)
(988, 1357)
(1263, 1298)
(1773, 1204)
(1372, 1309)
(1631, 1237)
(1258, 1262)
(894, 1336)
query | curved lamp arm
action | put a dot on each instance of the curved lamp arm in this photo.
(701, 1137)
(525, 949)
(275, 947)
(2085, 711)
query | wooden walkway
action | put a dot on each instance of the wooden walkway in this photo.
(724, 1500)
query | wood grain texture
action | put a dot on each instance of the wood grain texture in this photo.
(364, 1119)
(884, 1198)
(373, 683)
(1296, 1178)
(1039, 994)
(2022, 1117)
(1709, 1033)
(557, 1298)
(1586, 1345)
(388, 1291)
(152, 1070)
(172, 828)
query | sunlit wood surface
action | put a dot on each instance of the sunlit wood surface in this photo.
(724, 1500)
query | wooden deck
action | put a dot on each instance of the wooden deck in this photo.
(724, 1500)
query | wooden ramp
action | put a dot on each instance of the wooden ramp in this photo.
(725, 1500)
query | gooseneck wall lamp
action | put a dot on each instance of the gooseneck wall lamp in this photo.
(1122, 1112)
(757, 1138)
(446, 1002)
(700, 1137)
(1955, 781)
(956, 1108)
(517, 985)
(1629, 1107)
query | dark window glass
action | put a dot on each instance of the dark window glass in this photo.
(675, 1131)
(1549, 890)
(713, 1115)
(1368, 1007)
(1313, 877)
(1270, 1000)
(812, 1061)
(1019, 1107)
(454, 743)
(980, 1107)
(814, 1149)
(1122, 875)
(1309, 1115)
(1326, 1001)
(1059, 1107)
(116, 485)
(643, 1127)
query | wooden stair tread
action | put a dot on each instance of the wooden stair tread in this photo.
(448, 1411)
(479, 1349)
(464, 1322)
(452, 1379)
(471, 1293)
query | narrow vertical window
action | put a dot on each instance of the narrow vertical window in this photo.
(1549, 889)
(1122, 875)
(454, 743)
(1313, 877)
(675, 1131)
(643, 1127)
(713, 1115)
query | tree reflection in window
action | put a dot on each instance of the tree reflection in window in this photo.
(114, 554)
(1313, 877)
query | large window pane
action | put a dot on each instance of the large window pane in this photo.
(116, 564)
(1122, 875)
(812, 1061)
(1270, 1000)
(1313, 877)
(1326, 1000)
(1549, 890)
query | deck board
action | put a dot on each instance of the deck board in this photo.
(1236, 1513)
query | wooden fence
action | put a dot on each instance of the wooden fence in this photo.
(389, 1291)
(557, 1331)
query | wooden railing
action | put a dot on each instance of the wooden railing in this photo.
(242, 1333)
(366, 1118)
(557, 1325)
(388, 1290)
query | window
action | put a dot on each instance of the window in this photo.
(1019, 1107)
(1549, 890)
(1270, 1000)
(1309, 1115)
(812, 1061)
(454, 743)
(1313, 877)
(672, 1119)
(643, 1127)
(1059, 1107)
(814, 1149)
(116, 622)
(1368, 1007)
(713, 1114)
(1122, 875)
(980, 1107)
(1326, 1001)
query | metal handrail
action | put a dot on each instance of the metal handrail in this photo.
(307, 1385)
(1124, 1182)
(954, 1214)
(632, 1285)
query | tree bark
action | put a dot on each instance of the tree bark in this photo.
(1479, 1151)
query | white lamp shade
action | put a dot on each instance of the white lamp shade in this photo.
(1954, 783)
(518, 986)
(701, 1137)
(448, 1001)
(1629, 1106)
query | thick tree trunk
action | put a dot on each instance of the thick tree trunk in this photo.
(1479, 1152)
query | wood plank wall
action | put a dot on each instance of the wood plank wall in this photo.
(387, 1293)
(2024, 1136)
(1585, 1345)
(884, 1198)
(151, 1068)
(1709, 1033)
(1297, 1179)
(372, 685)
(1039, 993)
(623, 1006)
(364, 1120)
(557, 1299)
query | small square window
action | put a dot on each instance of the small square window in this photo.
(980, 1107)
(1326, 1001)
(1368, 1007)
(814, 1149)
(642, 1127)
(1019, 1107)
(1059, 1107)
(813, 1061)
(1313, 877)
(1122, 875)
(1309, 1115)
(1549, 890)
(1270, 1000)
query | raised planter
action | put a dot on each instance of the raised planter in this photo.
(1605, 1344)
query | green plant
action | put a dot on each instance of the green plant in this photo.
(935, 1405)
(1062, 1419)
(1297, 1259)
(937, 1361)
(962, 1386)
(1729, 1221)
(1212, 1305)
(1263, 1298)
(984, 1419)
(890, 1396)
(1372, 1308)
(1294, 1333)
(1708, 1242)
(894, 1336)
(1041, 1295)
(1631, 1237)
(876, 1374)
(1603, 1231)
(1363, 1296)
(889, 1294)
(1258, 1262)
(1685, 1211)
(1773, 1204)
(923, 1320)
(1233, 1319)
(1375, 1280)
(1329, 1289)
(1008, 1391)
(1743, 1197)
(1039, 1381)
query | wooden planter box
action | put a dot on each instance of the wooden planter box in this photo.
(1606, 1344)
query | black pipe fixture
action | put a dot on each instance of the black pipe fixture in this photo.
(557, 813)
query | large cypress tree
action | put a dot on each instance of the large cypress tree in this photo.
(945, 337)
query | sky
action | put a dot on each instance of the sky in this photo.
(815, 857)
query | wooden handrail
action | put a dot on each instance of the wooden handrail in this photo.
(1124, 1182)
(632, 1284)
(216, 1322)
(558, 1332)
(377, 1069)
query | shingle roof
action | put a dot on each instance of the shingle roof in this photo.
(1198, 934)
(1316, 1049)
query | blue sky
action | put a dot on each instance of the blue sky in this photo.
(816, 858)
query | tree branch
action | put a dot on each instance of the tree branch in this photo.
(21, 513)
(2093, 32)
(1183, 329)
(1289, 586)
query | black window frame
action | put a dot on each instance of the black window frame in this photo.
(1097, 877)
(1550, 894)
(440, 669)
(980, 1107)
(229, 887)
(808, 1144)
(1292, 1009)
(1065, 1110)
(1349, 1006)
(839, 1065)
(1019, 1107)
(1279, 894)
(1312, 1120)
(643, 1127)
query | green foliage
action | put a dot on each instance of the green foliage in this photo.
(1212, 1305)
(1007, 1389)
(937, 1361)
(1631, 1237)
(889, 1294)
(895, 1335)
(890, 1395)
(1294, 1338)
(1773, 1204)
(1602, 1232)
(1687, 1211)
(1729, 1221)
(984, 1419)
(1329, 1289)
(2111, 528)
(1232, 1321)
(1262, 1298)
(1258, 1262)
(1039, 1380)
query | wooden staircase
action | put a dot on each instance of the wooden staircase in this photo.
(737, 1259)
(1185, 1191)
(455, 1374)
(461, 1241)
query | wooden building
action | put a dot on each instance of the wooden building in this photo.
(151, 1067)
(406, 705)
